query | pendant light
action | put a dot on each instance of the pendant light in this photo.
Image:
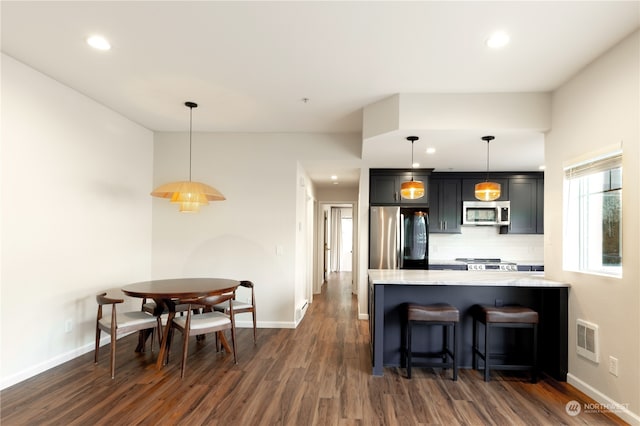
(189, 195)
(412, 189)
(487, 191)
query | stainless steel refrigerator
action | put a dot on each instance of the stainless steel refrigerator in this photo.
(398, 238)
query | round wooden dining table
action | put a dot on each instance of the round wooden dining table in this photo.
(167, 294)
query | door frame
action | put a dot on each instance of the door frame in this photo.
(322, 259)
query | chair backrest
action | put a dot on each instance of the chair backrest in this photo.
(208, 301)
(249, 284)
(102, 299)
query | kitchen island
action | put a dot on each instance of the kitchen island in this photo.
(390, 290)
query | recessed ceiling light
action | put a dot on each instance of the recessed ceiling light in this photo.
(334, 177)
(98, 42)
(431, 151)
(498, 40)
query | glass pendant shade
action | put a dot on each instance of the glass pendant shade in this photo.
(189, 195)
(487, 191)
(412, 189)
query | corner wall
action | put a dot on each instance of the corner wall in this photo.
(75, 212)
(597, 108)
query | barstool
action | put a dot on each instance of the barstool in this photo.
(437, 314)
(510, 316)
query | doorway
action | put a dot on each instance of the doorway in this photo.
(340, 239)
(336, 241)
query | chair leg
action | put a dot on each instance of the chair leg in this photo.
(113, 353)
(486, 352)
(233, 344)
(454, 360)
(159, 333)
(474, 354)
(185, 348)
(253, 313)
(534, 369)
(445, 342)
(169, 341)
(409, 349)
(97, 349)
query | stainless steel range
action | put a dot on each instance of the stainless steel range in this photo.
(488, 264)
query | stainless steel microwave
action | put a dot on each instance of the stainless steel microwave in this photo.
(486, 212)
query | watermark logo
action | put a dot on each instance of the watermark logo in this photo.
(573, 408)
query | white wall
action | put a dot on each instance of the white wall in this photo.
(256, 233)
(75, 217)
(596, 108)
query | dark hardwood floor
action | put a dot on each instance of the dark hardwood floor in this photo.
(319, 373)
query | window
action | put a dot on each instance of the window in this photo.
(593, 216)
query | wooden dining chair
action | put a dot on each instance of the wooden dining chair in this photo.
(207, 322)
(121, 323)
(150, 306)
(240, 307)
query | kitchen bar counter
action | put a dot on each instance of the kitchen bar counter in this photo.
(390, 290)
(465, 278)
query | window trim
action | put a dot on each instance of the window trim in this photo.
(585, 166)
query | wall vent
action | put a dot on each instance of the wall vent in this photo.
(587, 340)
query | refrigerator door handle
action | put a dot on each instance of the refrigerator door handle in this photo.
(401, 245)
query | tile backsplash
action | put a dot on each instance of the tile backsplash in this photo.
(487, 242)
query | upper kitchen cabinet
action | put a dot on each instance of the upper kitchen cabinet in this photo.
(540, 206)
(445, 206)
(527, 205)
(384, 186)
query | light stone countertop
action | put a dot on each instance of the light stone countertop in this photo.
(461, 278)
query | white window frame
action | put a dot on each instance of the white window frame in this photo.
(583, 237)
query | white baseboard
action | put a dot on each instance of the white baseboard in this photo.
(621, 409)
(50, 363)
(34, 370)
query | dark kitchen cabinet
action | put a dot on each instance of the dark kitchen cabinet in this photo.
(445, 206)
(469, 188)
(383, 189)
(384, 186)
(540, 206)
(523, 194)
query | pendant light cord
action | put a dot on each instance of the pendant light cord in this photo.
(190, 125)
(412, 161)
(487, 178)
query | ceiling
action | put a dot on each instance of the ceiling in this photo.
(302, 66)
